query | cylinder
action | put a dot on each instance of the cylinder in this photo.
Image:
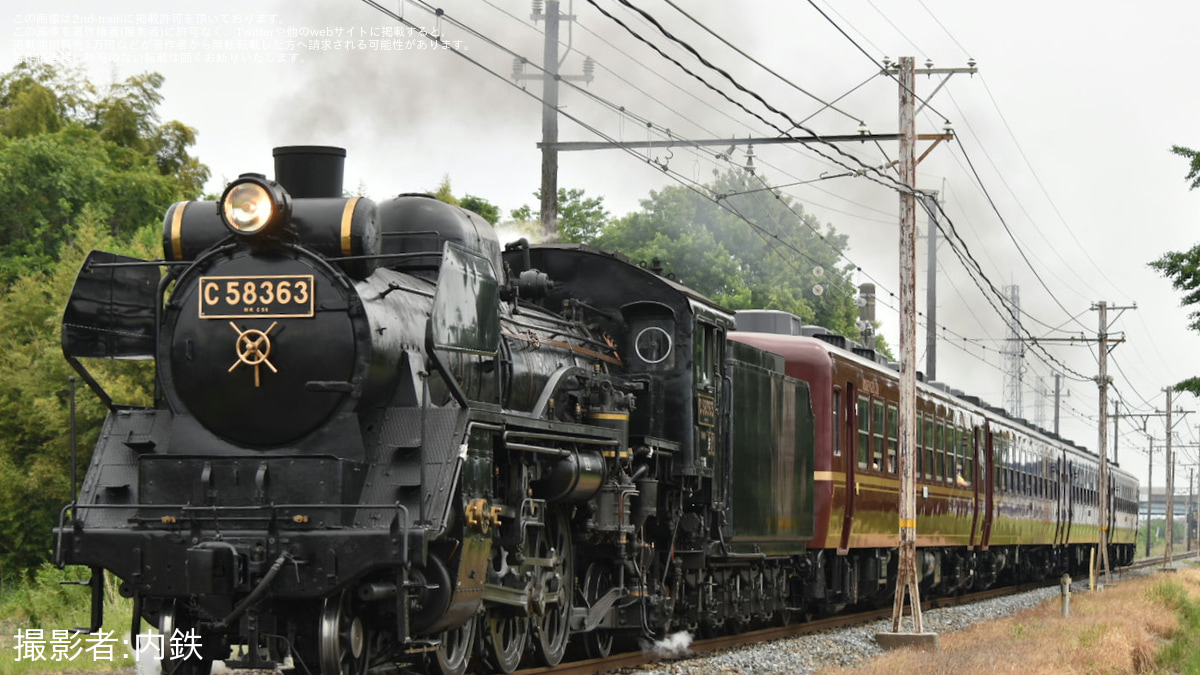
(575, 477)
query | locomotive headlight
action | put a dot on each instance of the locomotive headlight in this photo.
(253, 205)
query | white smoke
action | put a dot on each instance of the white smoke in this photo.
(674, 646)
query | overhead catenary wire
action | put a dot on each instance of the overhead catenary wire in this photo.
(759, 98)
(867, 54)
(867, 170)
(740, 87)
(645, 158)
(825, 104)
(1020, 205)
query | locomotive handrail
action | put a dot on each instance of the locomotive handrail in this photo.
(145, 263)
(203, 507)
(538, 436)
(538, 449)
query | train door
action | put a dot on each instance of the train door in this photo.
(987, 480)
(1069, 501)
(1060, 502)
(973, 469)
(850, 461)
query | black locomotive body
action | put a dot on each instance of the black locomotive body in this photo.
(382, 442)
(379, 440)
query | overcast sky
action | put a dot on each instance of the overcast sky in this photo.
(1068, 123)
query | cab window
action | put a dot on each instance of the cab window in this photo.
(707, 357)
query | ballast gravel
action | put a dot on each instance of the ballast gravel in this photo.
(842, 646)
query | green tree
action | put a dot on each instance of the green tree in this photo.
(489, 211)
(750, 248)
(1183, 267)
(80, 169)
(64, 146)
(443, 191)
(1193, 157)
(580, 218)
(483, 207)
(34, 392)
(523, 213)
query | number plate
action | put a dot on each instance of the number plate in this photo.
(283, 296)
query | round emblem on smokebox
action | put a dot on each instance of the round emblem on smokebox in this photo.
(253, 346)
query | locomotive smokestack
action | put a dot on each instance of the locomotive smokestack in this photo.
(310, 170)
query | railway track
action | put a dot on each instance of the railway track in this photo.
(716, 644)
(708, 646)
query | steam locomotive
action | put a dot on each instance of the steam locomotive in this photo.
(382, 441)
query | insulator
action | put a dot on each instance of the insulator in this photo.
(518, 68)
(589, 68)
(537, 8)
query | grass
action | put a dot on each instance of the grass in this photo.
(1182, 655)
(45, 604)
(1147, 626)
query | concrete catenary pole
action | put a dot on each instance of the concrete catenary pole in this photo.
(1170, 485)
(1149, 498)
(1102, 380)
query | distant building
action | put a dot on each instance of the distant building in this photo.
(1158, 502)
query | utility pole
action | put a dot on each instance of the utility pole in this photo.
(549, 213)
(1103, 380)
(931, 207)
(907, 580)
(1171, 475)
(550, 78)
(1150, 498)
(1170, 484)
(1191, 506)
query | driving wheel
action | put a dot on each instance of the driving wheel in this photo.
(506, 635)
(557, 587)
